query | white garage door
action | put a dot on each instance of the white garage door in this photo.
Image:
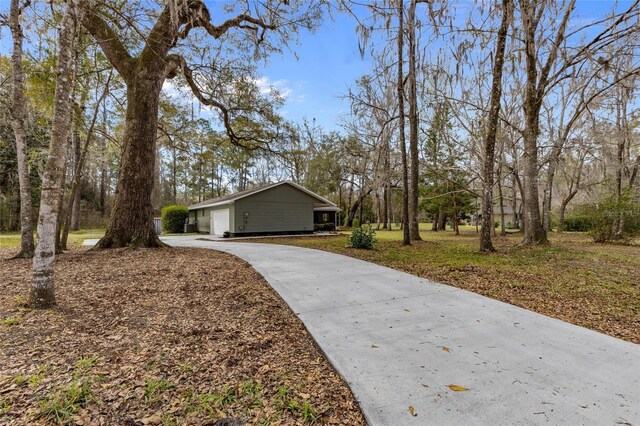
(220, 222)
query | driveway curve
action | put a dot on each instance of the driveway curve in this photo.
(416, 352)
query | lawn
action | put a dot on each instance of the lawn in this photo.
(76, 238)
(592, 285)
(160, 336)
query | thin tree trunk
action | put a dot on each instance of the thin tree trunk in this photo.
(42, 294)
(18, 112)
(406, 237)
(455, 216)
(74, 205)
(548, 189)
(503, 230)
(414, 227)
(492, 128)
(77, 176)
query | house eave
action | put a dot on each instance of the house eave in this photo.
(206, 206)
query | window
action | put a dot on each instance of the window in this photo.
(202, 212)
(325, 217)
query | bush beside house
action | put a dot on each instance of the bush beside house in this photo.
(174, 218)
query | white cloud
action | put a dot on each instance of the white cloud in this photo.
(266, 86)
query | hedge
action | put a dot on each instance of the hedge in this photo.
(174, 218)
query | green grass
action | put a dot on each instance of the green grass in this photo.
(63, 404)
(574, 279)
(76, 238)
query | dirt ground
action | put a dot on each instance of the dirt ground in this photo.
(163, 336)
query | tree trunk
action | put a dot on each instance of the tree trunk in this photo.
(79, 166)
(492, 128)
(103, 163)
(132, 213)
(414, 227)
(42, 294)
(442, 221)
(503, 230)
(18, 112)
(385, 208)
(455, 216)
(548, 188)
(563, 209)
(75, 203)
(406, 237)
(354, 208)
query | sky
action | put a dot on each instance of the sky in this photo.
(329, 62)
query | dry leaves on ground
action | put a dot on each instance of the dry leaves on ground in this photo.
(164, 336)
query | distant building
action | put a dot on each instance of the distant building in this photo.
(279, 208)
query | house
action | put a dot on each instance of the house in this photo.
(279, 208)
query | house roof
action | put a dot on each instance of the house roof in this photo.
(229, 199)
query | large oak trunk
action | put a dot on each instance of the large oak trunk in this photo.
(132, 215)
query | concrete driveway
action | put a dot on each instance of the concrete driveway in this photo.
(416, 352)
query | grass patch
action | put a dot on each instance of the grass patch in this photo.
(153, 388)
(76, 238)
(11, 321)
(66, 402)
(573, 279)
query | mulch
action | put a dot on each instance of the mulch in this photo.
(160, 336)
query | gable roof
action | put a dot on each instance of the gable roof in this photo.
(228, 199)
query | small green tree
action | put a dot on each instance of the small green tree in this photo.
(363, 237)
(607, 216)
(174, 218)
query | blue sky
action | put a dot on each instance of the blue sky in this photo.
(329, 61)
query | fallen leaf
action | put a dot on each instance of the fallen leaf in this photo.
(457, 388)
(152, 420)
(446, 349)
(375, 347)
(412, 411)
(407, 310)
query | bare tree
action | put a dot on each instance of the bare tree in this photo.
(406, 237)
(492, 128)
(414, 122)
(18, 112)
(42, 293)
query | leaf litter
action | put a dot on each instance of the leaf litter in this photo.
(160, 336)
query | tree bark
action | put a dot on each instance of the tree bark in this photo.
(503, 231)
(74, 205)
(406, 237)
(132, 214)
(442, 221)
(492, 128)
(18, 111)
(535, 90)
(353, 210)
(414, 227)
(42, 294)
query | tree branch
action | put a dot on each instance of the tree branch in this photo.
(109, 41)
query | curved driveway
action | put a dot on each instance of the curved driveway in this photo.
(401, 341)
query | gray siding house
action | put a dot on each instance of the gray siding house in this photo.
(279, 208)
